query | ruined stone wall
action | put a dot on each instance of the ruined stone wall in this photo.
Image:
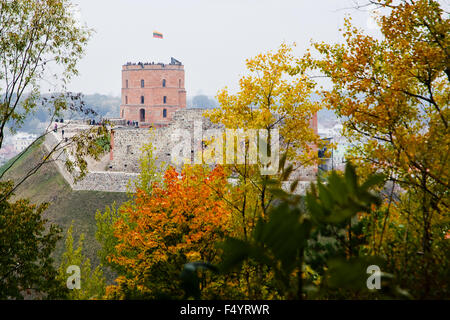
(94, 180)
(128, 142)
(107, 181)
(126, 151)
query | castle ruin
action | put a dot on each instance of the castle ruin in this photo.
(153, 96)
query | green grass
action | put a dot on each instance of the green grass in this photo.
(66, 205)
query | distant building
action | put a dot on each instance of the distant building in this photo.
(336, 157)
(152, 92)
(6, 153)
(14, 145)
(22, 140)
(326, 155)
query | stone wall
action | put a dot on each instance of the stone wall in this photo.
(128, 142)
(94, 180)
(107, 181)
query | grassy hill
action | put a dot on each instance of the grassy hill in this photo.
(66, 205)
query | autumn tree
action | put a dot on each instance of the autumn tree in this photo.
(303, 244)
(26, 244)
(393, 97)
(36, 37)
(92, 281)
(178, 222)
(273, 95)
(149, 174)
(33, 36)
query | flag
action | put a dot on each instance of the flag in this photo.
(157, 35)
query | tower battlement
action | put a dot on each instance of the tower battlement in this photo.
(152, 66)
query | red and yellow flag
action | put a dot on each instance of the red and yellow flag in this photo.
(157, 35)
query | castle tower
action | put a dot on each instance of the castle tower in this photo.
(152, 92)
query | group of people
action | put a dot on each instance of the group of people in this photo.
(93, 122)
(132, 123)
(55, 129)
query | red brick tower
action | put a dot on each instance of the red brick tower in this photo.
(152, 92)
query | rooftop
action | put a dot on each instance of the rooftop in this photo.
(173, 62)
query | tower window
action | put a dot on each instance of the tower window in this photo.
(164, 82)
(126, 99)
(142, 83)
(179, 83)
(164, 113)
(126, 83)
(142, 99)
(165, 99)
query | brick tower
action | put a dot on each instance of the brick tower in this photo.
(152, 92)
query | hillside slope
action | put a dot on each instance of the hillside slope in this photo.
(66, 205)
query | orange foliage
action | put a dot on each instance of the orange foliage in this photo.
(182, 217)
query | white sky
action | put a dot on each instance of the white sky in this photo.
(212, 38)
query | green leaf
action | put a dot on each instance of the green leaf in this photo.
(373, 180)
(350, 178)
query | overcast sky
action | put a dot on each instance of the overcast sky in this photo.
(211, 38)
